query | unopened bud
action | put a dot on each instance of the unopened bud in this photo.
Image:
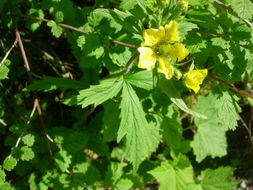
(163, 3)
(183, 4)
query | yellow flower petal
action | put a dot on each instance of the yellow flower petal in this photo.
(153, 36)
(178, 52)
(194, 79)
(147, 58)
(171, 32)
(165, 67)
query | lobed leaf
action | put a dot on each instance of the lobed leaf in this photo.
(141, 138)
(142, 79)
(228, 110)
(97, 94)
(9, 163)
(218, 179)
(210, 138)
(174, 175)
(243, 8)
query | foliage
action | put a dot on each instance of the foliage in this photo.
(125, 94)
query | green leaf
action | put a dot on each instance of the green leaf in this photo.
(98, 94)
(120, 55)
(114, 173)
(141, 138)
(52, 83)
(174, 175)
(228, 110)
(28, 139)
(5, 186)
(4, 70)
(55, 29)
(185, 27)
(197, 2)
(171, 132)
(94, 18)
(124, 184)
(142, 79)
(26, 153)
(92, 175)
(81, 41)
(128, 4)
(34, 24)
(9, 163)
(110, 121)
(69, 139)
(170, 90)
(210, 138)
(59, 16)
(2, 177)
(243, 8)
(218, 179)
(126, 19)
(198, 47)
(63, 160)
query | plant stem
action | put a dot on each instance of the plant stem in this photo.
(9, 51)
(231, 11)
(126, 68)
(36, 100)
(232, 87)
(72, 28)
(130, 62)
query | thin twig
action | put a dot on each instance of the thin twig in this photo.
(230, 10)
(232, 87)
(2, 122)
(36, 76)
(59, 24)
(126, 68)
(32, 113)
(247, 129)
(9, 51)
(28, 122)
(72, 28)
(130, 62)
(124, 44)
(36, 101)
(223, 36)
(19, 139)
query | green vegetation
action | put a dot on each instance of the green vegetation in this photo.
(126, 94)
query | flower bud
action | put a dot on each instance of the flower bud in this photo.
(183, 5)
(163, 3)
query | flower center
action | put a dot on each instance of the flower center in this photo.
(162, 50)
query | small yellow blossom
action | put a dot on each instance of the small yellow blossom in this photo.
(194, 79)
(158, 45)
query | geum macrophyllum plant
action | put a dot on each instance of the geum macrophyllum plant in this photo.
(158, 45)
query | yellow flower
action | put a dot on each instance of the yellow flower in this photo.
(158, 45)
(194, 79)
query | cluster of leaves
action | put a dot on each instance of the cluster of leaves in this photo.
(105, 123)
